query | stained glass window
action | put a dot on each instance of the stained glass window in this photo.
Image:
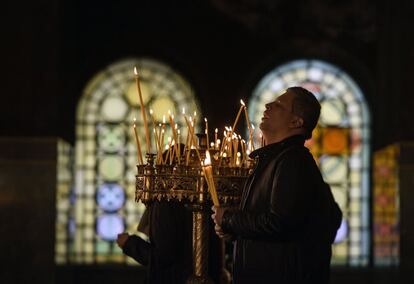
(106, 156)
(340, 145)
(386, 206)
(64, 202)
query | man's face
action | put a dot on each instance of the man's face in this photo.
(278, 115)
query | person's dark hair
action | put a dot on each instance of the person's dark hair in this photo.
(306, 106)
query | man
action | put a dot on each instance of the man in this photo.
(287, 219)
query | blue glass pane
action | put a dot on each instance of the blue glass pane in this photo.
(108, 226)
(110, 197)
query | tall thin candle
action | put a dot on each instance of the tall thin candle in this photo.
(144, 116)
(139, 154)
(206, 130)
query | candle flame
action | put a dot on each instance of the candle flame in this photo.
(184, 110)
(151, 111)
(135, 71)
(169, 112)
(178, 131)
(252, 126)
(195, 113)
(241, 101)
(205, 119)
(216, 130)
(135, 119)
(163, 118)
(207, 160)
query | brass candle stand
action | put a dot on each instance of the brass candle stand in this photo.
(184, 182)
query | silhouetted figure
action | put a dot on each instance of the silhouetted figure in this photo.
(287, 219)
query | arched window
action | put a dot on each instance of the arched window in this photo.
(340, 144)
(106, 153)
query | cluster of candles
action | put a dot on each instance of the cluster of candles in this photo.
(227, 149)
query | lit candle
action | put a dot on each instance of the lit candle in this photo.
(208, 174)
(192, 138)
(238, 115)
(215, 138)
(194, 120)
(139, 154)
(179, 148)
(238, 159)
(248, 121)
(157, 145)
(251, 148)
(244, 153)
(171, 118)
(144, 116)
(206, 130)
(261, 140)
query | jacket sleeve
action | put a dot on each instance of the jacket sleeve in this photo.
(286, 216)
(138, 249)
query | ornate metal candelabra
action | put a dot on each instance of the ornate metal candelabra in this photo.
(184, 182)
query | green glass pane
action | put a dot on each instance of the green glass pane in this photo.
(111, 138)
(102, 247)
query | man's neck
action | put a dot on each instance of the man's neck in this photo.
(270, 139)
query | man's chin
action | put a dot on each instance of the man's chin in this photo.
(262, 125)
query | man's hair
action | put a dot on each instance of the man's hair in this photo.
(306, 106)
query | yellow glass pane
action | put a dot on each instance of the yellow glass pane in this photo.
(111, 167)
(161, 106)
(332, 112)
(114, 109)
(132, 93)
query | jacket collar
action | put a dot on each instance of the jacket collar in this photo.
(276, 148)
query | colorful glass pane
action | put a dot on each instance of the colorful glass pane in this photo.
(335, 141)
(386, 206)
(339, 144)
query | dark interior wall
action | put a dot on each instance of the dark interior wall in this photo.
(53, 49)
(30, 55)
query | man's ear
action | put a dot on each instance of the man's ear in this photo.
(297, 122)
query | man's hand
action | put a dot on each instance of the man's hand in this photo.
(122, 239)
(217, 217)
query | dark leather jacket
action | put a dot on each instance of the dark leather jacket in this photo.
(287, 219)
